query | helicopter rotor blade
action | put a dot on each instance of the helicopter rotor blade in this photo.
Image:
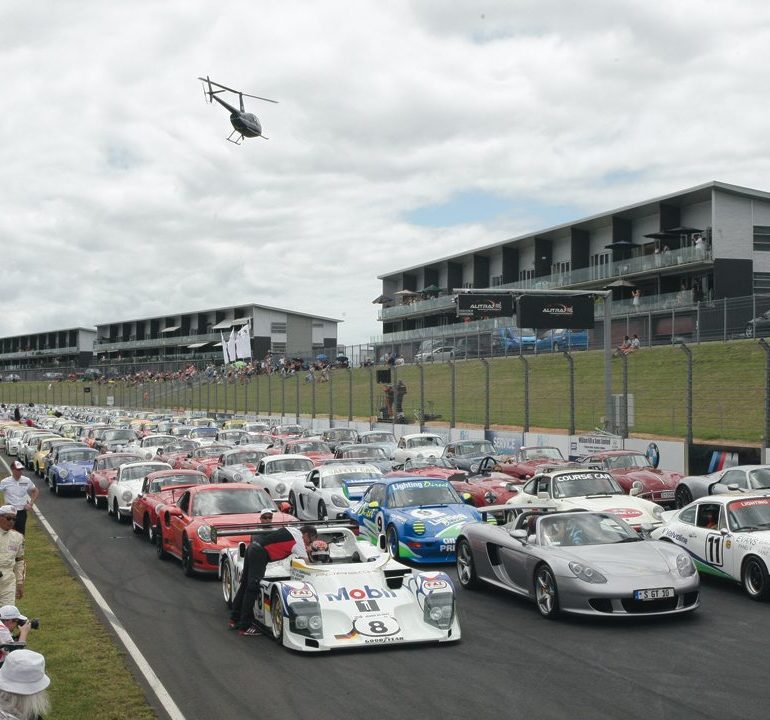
(257, 97)
(236, 92)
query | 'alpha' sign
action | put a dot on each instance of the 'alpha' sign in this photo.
(480, 307)
(571, 312)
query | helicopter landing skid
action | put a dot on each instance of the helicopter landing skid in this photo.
(237, 141)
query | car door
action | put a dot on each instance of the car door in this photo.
(710, 535)
(309, 498)
(179, 523)
(515, 558)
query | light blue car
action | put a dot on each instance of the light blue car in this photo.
(560, 340)
(71, 469)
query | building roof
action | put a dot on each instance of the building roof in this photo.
(215, 309)
(694, 194)
(47, 332)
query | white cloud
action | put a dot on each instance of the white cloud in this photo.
(122, 199)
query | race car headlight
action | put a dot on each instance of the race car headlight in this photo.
(126, 496)
(158, 508)
(204, 533)
(237, 477)
(280, 488)
(305, 619)
(685, 565)
(418, 528)
(103, 483)
(489, 497)
(474, 467)
(657, 512)
(439, 610)
(339, 501)
(587, 574)
(148, 455)
(64, 474)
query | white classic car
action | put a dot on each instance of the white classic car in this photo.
(418, 445)
(323, 492)
(127, 485)
(727, 536)
(595, 490)
(361, 597)
(277, 473)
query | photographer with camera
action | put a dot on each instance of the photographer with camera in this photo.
(14, 629)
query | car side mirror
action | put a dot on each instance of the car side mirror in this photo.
(373, 504)
(310, 486)
(519, 534)
(719, 489)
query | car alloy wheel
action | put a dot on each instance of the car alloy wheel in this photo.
(683, 496)
(116, 512)
(321, 510)
(749, 330)
(755, 579)
(227, 584)
(466, 570)
(546, 593)
(276, 616)
(393, 547)
(151, 534)
(187, 562)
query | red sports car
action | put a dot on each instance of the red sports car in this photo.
(184, 527)
(527, 460)
(103, 473)
(161, 488)
(629, 467)
(486, 487)
(197, 457)
(316, 450)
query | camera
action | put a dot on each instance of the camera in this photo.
(34, 623)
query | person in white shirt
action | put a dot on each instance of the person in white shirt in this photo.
(20, 492)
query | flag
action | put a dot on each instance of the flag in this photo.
(224, 348)
(243, 343)
(231, 345)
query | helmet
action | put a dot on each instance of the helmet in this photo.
(319, 552)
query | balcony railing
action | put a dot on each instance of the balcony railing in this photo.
(649, 303)
(47, 352)
(593, 275)
(159, 342)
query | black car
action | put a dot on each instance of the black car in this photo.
(759, 326)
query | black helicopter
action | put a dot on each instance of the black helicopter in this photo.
(244, 124)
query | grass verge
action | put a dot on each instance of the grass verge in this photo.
(89, 675)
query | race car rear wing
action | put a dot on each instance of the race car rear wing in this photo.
(231, 530)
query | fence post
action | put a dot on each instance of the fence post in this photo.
(371, 397)
(394, 378)
(269, 394)
(225, 391)
(312, 399)
(724, 320)
(571, 370)
(526, 392)
(624, 398)
(673, 324)
(697, 322)
(485, 362)
(688, 399)
(331, 398)
(350, 394)
(452, 394)
(421, 418)
(283, 398)
(296, 377)
(649, 329)
(766, 429)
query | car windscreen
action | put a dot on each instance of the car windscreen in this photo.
(430, 441)
(340, 479)
(170, 480)
(115, 461)
(112, 435)
(542, 453)
(159, 441)
(587, 529)
(418, 462)
(483, 447)
(422, 492)
(243, 458)
(77, 455)
(368, 453)
(233, 501)
(618, 462)
(760, 478)
(379, 438)
(580, 484)
(749, 515)
(137, 472)
(203, 432)
(210, 451)
(310, 447)
(289, 465)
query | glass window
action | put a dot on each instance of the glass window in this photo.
(708, 516)
(735, 477)
(688, 515)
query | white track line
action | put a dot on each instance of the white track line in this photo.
(144, 667)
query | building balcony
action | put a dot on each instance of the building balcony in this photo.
(647, 304)
(599, 276)
(105, 345)
(48, 352)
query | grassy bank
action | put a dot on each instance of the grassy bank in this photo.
(728, 387)
(89, 675)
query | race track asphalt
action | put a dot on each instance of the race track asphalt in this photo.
(510, 663)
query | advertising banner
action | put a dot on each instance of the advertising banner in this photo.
(570, 312)
(479, 307)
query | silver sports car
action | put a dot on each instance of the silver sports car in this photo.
(590, 563)
(741, 478)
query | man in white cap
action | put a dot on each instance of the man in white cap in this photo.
(23, 684)
(20, 492)
(12, 567)
(10, 620)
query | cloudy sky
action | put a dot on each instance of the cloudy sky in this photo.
(405, 130)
